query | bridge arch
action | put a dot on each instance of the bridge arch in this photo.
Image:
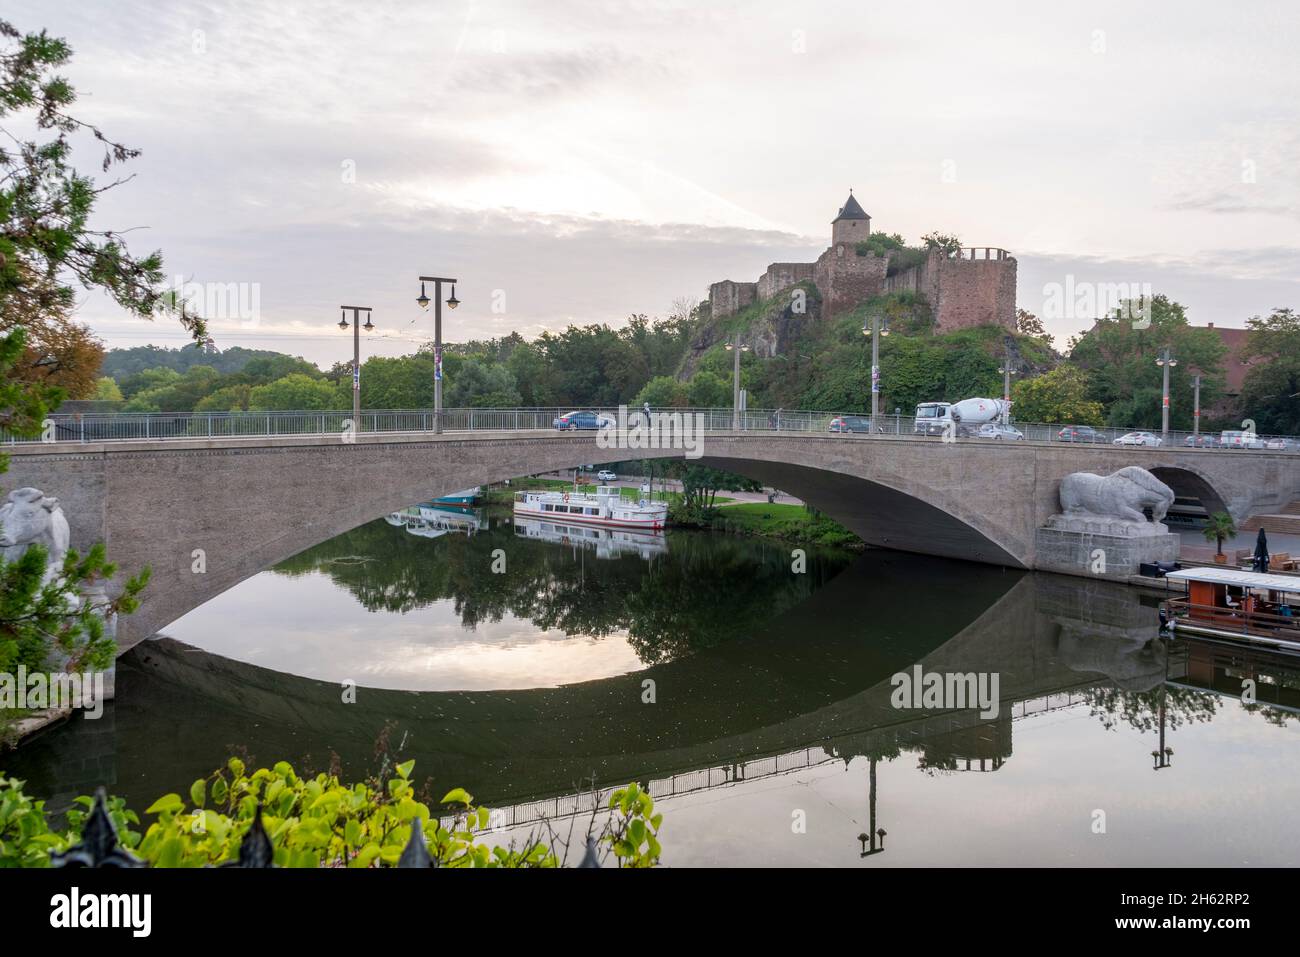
(244, 504)
(1189, 482)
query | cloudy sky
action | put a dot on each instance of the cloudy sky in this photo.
(576, 161)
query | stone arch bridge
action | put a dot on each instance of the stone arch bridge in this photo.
(248, 503)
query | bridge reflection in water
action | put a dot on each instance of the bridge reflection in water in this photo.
(810, 689)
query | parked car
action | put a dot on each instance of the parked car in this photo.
(996, 430)
(582, 420)
(850, 423)
(1200, 441)
(1280, 445)
(1237, 439)
(1079, 433)
(1149, 439)
(605, 475)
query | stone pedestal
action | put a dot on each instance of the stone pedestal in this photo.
(1101, 547)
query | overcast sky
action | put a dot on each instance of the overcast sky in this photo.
(578, 161)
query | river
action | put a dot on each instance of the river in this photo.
(750, 687)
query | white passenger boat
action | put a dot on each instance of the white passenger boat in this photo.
(606, 508)
(607, 543)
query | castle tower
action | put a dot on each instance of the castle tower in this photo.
(852, 225)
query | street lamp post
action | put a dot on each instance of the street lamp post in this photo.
(1007, 373)
(356, 355)
(875, 329)
(1196, 404)
(735, 348)
(452, 303)
(1166, 362)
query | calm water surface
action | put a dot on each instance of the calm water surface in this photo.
(771, 737)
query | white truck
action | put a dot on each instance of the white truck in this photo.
(961, 419)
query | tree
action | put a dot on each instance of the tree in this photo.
(296, 392)
(1059, 396)
(1028, 324)
(59, 351)
(701, 484)
(664, 392)
(46, 205)
(944, 242)
(1119, 354)
(1218, 528)
(1271, 392)
(106, 390)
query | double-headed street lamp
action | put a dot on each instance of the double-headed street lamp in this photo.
(1166, 362)
(875, 329)
(735, 348)
(452, 303)
(356, 355)
(1007, 373)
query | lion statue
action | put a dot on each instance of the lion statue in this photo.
(30, 517)
(1121, 496)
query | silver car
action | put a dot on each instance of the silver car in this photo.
(996, 430)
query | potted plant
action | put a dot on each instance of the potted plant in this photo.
(1218, 527)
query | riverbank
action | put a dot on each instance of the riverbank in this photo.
(794, 524)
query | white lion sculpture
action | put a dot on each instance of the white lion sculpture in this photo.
(30, 517)
(1122, 495)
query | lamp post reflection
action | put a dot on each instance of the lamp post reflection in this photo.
(873, 836)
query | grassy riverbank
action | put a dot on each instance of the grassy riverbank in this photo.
(788, 523)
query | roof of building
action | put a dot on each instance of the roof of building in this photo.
(851, 210)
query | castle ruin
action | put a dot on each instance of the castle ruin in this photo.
(971, 286)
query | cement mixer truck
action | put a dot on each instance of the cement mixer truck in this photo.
(961, 419)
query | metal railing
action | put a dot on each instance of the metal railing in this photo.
(62, 428)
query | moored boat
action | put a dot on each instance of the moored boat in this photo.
(465, 497)
(606, 508)
(1225, 603)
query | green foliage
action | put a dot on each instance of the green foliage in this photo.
(1218, 528)
(942, 241)
(122, 364)
(701, 484)
(106, 390)
(665, 392)
(297, 391)
(1059, 396)
(880, 244)
(1120, 362)
(46, 204)
(38, 616)
(797, 524)
(1269, 393)
(25, 837)
(315, 822)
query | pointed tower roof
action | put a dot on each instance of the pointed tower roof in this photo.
(851, 210)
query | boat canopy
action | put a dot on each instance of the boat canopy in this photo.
(1233, 576)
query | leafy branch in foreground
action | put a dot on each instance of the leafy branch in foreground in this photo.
(320, 822)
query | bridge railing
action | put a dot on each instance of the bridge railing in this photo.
(61, 428)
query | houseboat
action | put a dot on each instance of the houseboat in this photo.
(1225, 603)
(606, 508)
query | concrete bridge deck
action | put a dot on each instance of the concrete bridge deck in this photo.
(206, 513)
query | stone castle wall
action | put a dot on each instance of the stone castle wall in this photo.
(782, 276)
(975, 292)
(846, 279)
(727, 298)
(973, 287)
